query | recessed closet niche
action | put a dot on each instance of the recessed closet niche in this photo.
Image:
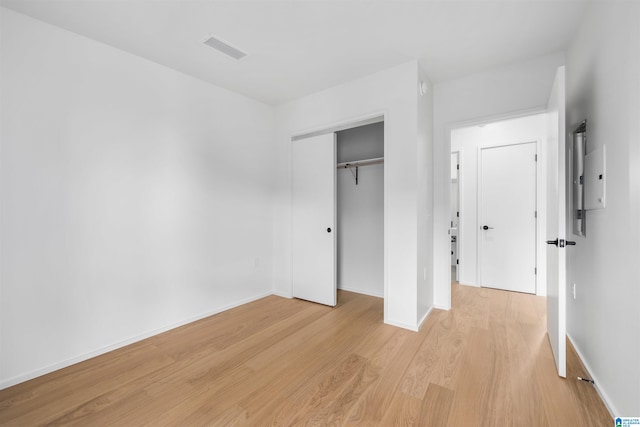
(360, 209)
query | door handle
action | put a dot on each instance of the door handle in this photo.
(329, 230)
(561, 243)
(486, 227)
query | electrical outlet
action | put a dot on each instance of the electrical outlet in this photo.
(574, 291)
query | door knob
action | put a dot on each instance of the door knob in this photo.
(329, 230)
(486, 227)
(561, 243)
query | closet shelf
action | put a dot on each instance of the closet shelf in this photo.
(357, 163)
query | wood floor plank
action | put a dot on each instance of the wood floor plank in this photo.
(436, 406)
(280, 362)
(280, 370)
(301, 375)
(402, 411)
(470, 403)
(372, 406)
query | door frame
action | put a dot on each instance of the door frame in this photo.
(349, 123)
(479, 252)
(541, 196)
(460, 211)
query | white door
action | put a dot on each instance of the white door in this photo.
(314, 219)
(508, 217)
(556, 222)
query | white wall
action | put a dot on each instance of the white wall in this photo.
(360, 212)
(467, 141)
(603, 65)
(425, 164)
(495, 93)
(361, 230)
(134, 198)
(391, 92)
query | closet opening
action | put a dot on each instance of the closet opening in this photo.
(360, 209)
(338, 227)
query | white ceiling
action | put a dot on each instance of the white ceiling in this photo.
(299, 47)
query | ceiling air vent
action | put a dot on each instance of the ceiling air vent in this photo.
(224, 47)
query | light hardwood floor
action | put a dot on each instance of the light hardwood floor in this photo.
(487, 362)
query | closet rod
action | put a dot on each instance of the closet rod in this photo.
(367, 162)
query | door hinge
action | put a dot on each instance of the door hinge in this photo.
(535, 270)
(536, 158)
(457, 167)
(535, 214)
(457, 261)
(457, 214)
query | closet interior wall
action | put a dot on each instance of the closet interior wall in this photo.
(360, 211)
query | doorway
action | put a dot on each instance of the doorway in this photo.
(455, 212)
(507, 217)
(472, 142)
(360, 209)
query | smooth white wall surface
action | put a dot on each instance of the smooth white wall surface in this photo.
(467, 141)
(360, 211)
(495, 93)
(603, 65)
(425, 164)
(391, 92)
(134, 198)
(361, 230)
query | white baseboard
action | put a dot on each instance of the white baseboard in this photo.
(282, 294)
(81, 358)
(424, 317)
(603, 395)
(441, 307)
(360, 291)
(472, 284)
(402, 325)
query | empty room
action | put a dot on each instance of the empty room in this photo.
(321, 213)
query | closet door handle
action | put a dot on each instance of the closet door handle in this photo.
(329, 230)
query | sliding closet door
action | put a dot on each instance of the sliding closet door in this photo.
(314, 213)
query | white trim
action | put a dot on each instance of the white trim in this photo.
(613, 412)
(459, 237)
(402, 325)
(439, 307)
(360, 291)
(424, 317)
(340, 127)
(77, 359)
(282, 294)
(472, 284)
(492, 119)
(353, 122)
